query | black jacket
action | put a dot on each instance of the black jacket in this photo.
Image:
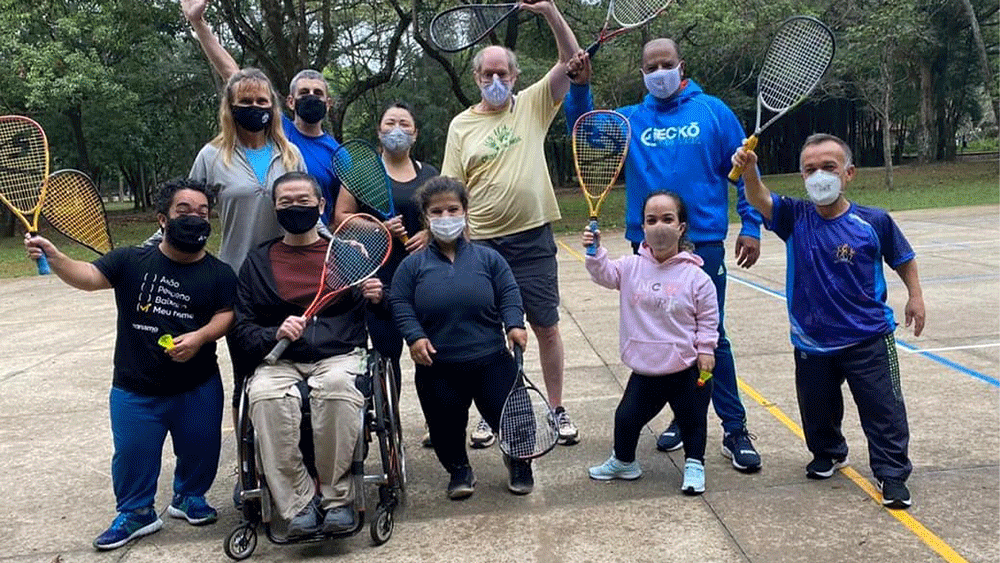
(337, 329)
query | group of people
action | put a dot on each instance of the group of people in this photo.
(479, 259)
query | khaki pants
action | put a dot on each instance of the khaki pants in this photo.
(335, 403)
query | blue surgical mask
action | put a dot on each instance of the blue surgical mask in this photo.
(496, 93)
(663, 83)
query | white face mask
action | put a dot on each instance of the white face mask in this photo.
(823, 187)
(663, 83)
(496, 92)
(447, 229)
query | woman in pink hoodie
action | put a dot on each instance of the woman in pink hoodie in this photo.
(668, 332)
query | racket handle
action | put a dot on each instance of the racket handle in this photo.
(750, 144)
(591, 51)
(276, 352)
(519, 357)
(592, 248)
(43, 265)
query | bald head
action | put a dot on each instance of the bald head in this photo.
(661, 53)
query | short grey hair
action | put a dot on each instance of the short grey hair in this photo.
(817, 138)
(512, 67)
(309, 74)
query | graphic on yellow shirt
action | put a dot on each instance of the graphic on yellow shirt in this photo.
(501, 139)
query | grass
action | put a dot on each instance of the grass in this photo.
(915, 187)
(935, 185)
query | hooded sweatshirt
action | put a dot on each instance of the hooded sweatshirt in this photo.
(669, 311)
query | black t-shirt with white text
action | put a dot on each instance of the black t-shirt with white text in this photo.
(157, 296)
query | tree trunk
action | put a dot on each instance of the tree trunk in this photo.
(984, 61)
(925, 130)
(76, 124)
(886, 121)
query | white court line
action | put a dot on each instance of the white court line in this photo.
(959, 244)
(967, 347)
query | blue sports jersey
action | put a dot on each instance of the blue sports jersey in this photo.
(834, 283)
(318, 154)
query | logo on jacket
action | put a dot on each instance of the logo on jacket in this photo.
(845, 254)
(656, 136)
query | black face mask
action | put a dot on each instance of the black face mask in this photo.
(310, 108)
(188, 233)
(297, 219)
(251, 118)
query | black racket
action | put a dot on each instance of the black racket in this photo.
(461, 27)
(528, 427)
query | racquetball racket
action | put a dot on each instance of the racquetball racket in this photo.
(24, 169)
(362, 172)
(358, 248)
(600, 145)
(461, 27)
(796, 60)
(528, 428)
(629, 14)
(74, 208)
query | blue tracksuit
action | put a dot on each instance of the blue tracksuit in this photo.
(684, 144)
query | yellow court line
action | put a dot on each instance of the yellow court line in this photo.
(918, 529)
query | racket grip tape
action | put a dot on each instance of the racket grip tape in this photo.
(749, 145)
(42, 262)
(277, 351)
(592, 248)
(591, 51)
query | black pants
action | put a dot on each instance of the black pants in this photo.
(446, 390)
(871, 370)
(387, 339)
(645, 396)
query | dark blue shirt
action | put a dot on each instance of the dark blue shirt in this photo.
(462, 307)
(834, 283)
(318, 154)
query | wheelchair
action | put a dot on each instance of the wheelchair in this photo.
(380, 423)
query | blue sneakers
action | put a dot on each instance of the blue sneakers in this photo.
(737, 447)
(614, 469)
(127, 527)
(694, 477)
(193, 509)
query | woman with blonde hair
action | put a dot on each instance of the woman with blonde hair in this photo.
(244, 159)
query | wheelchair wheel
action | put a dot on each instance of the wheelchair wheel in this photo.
(390, 434)
(381, 526)
(242, 541)
(247, 461)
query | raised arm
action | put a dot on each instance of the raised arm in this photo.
(565, 42)
(756, 192)
(76, 273)
(223, 63)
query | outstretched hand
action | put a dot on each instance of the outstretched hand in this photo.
(194, 10)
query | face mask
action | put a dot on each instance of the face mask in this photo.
(495, 93)
(447, 229)
(823, 187)
(188, 233)
(297, 219)
(663, 83)
(311, 109)
(396, 140)
(662, 237)
(252, 118)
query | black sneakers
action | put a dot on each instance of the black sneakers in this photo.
(462, 483)
(894, 494)
(824, 468)
(521, 480)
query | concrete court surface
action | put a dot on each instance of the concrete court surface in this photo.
(55, 355)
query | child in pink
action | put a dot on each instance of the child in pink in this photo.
(668, 333)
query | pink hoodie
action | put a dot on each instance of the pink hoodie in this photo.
(669, 311)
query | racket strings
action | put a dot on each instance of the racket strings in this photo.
(361, 169)
(635, 12)
(600, 142)
(795, 62)
(454, 30)
(23, 163)
(73, 206)
(527, 426)
(357, 250)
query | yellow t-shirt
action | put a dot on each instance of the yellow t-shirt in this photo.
(500, 157)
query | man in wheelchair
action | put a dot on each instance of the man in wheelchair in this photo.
(277, 282)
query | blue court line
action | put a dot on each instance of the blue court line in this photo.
(916, 349)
